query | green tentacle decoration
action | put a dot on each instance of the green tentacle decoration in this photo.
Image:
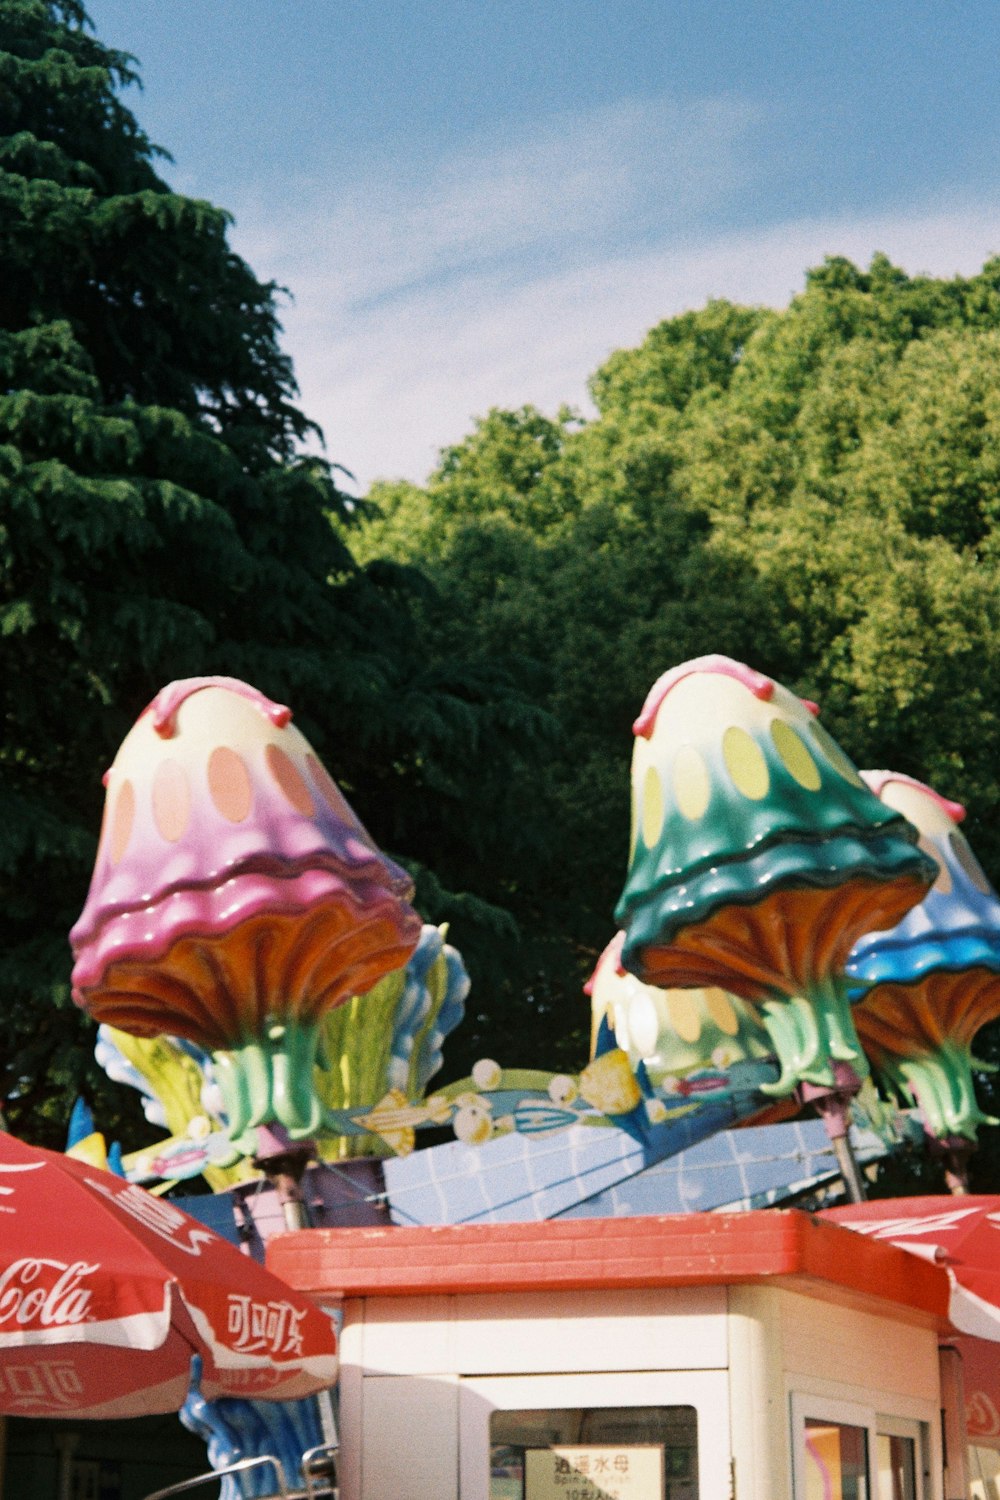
(271, 1078)
(231, 1078)
(809, 1034)
(941, 1085)
(293, 1099)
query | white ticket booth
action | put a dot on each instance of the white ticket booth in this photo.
(762, 1356)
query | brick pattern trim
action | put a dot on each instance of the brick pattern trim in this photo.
(594, 1254)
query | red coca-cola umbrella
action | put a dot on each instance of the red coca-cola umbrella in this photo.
(962, 1237)
(106, 1292)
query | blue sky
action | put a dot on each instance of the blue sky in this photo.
(474, 201)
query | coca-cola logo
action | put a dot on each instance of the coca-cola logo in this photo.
(41, 1293)
(914, 1227)
(982, 1417)
(162, 1219)
(256, 1327)
(41, 1385)
(8, 1192)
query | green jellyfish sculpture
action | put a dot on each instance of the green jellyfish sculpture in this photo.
(759, 857)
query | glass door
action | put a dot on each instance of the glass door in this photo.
(622, 1436)
(595, 1453)
(847, 1452)
(836, 1460)
(901, 1459)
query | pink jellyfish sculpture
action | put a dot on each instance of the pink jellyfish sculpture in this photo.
(235, 898)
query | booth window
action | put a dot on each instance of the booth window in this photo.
(594, 1453)
(896, 1458)
(836, 1461)
(984, 1473)
(873, 1459)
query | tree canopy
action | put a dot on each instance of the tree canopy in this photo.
(160, 518)
(815, 491)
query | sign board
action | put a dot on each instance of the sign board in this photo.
(594, 1472)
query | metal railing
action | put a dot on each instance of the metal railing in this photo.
(320, 1463)
(319, 1470)
(217, 1474)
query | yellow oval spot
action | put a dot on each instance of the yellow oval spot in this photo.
(943, 883)
(969, 862)
(745, 763)
(692, 786)
(720, 1009)
(171, 801)
(229, 784)
(121, 822)
(840, 762)
(794, 756)
(652, 807)
(290, 779)
(684, 1017)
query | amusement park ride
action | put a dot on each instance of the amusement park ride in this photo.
(518, 1318)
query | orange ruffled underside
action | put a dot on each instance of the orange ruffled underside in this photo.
(783, 944)
(274, 967)
(913, 1020)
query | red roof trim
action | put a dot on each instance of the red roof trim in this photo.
(604, 1254)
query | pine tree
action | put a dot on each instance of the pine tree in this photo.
(159, 519)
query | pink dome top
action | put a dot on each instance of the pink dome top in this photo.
(217, 808)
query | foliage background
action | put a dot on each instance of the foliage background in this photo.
(816, 490)
(159, 519)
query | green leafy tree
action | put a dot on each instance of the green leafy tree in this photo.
(815, 491)
(159, 519)
(570, 554)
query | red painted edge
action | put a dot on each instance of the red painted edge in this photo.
(604, 1254)
(723, 666)
(876, 780)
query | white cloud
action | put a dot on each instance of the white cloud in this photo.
(572, 183)
(500, 276)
